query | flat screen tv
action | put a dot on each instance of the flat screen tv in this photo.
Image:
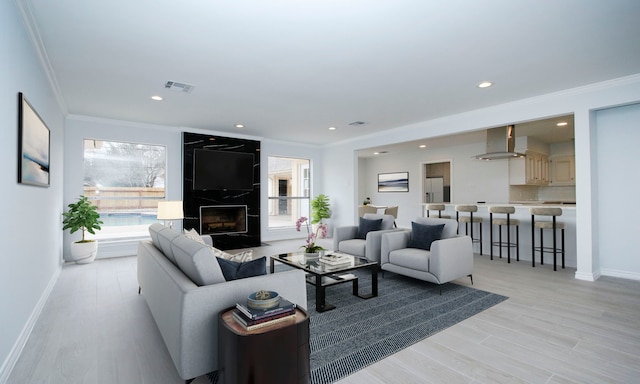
(222, 170)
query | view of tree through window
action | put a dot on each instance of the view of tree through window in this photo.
(289, 190)
(125, 181)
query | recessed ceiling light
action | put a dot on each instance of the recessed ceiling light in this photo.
(332, 128)
(376, 153)
(562, 124)
(485, 84)
(423, 146)
(156, 98)
(239, 125)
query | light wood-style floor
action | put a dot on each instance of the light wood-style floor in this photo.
(95, 328)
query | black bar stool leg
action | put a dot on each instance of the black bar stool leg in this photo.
(541, 247)
(491, 235)
(517, 243)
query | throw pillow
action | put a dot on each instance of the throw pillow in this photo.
(422, 235)
(233, 270)
(193, 235)
(366, 225)
(239, 257)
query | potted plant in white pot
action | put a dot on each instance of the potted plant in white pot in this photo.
(82, 215)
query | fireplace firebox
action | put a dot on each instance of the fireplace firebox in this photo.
(223, 219)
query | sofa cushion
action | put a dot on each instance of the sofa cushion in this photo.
(412, 258)
(196, 261)
(233, 270)
(153, 232)
(165, 238)
(367, 225)
(422, 235)
(355, 247)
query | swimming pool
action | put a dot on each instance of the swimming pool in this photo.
(128, 218)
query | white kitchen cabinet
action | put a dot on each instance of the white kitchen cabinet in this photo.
(563, 170)
(533, 169)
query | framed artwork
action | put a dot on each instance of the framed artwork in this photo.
(33, 146)
(393, 182)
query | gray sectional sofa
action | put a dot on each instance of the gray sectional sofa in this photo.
(185, 290)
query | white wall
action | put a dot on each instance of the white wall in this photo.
(31, 224)
(580, 101)
(471, 180)
(618, 167)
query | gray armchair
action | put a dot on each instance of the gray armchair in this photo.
(449, 258)
(345, 238)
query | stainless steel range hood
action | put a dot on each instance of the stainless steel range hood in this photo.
(501, 143)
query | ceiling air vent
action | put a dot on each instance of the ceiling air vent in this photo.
(178, 87)
(356, 123)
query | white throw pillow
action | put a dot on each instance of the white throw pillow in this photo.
(193, 235)
(239, 257)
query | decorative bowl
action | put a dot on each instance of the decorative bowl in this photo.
(263, 300)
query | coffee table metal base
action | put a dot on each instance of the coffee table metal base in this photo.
(322, 282)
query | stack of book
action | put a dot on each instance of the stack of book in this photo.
(251, 318)
(335, 260)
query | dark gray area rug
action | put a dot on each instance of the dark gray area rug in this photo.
(361, 332)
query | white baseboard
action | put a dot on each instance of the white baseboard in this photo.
(621, 274)
(587, 276)
(12, 358)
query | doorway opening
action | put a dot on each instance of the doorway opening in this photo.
(436, 183)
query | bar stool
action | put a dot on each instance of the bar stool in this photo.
(436, 207)
(509, 223)
(469, 220)
(542, 225)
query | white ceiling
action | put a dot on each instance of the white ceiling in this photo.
(545, 130)
(289, 69)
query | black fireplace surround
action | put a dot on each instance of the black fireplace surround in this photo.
(232, 217)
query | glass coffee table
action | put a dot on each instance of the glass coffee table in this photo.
(322, 273)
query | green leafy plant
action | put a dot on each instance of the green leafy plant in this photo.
(82, 215)
(320, 209)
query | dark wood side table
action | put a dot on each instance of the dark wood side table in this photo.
(273, 354)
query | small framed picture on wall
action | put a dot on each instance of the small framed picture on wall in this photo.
(393, 182)
(34, 147)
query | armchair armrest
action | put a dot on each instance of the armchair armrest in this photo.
(392, 240)
(344, 233)
(451, 258)
(373, 247)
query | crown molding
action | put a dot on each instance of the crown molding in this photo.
(36, 39)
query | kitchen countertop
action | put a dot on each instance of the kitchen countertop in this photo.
(523, 204)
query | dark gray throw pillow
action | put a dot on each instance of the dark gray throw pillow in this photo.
(367, 225)
(422, 235)
(233, 270)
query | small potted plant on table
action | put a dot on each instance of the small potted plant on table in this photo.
(82, 215)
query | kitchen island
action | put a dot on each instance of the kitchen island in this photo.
(522, 213)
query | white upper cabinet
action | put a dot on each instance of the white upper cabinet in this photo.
(563, 170)
(530, 170)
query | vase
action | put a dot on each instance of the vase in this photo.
(313, 255)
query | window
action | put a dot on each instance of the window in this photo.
(125, 181)
(289, 190)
